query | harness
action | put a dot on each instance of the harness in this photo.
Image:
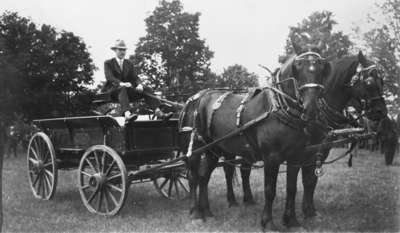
(359, 76)
(287, 110)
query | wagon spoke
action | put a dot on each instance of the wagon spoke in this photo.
(164, 183)
(176, 188)
(37, 148)
(49, 173)
(85, 187)
(183, 185)
(170, 187)
(34, 153)
(99, 201)
(86, 174)
(103, 162)
(113, 198)
(96, 157)
(33, 160)
(48, 164)
(45, 188)
(114, 187)
(47, 179)
(114, 177)
(106, 199)
(90, 164)
(90, 199)
(110, 167)
(35, 181)
(39, 186)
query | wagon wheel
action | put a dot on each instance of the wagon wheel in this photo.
(173, 184)
(102, 180)
(42, 167)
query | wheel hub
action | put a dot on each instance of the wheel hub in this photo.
(38, 166)
(97, 180)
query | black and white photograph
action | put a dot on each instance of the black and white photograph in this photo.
(199, 116)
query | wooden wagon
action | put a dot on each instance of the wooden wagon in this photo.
(109, 157)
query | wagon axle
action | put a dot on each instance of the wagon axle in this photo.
(97, 180)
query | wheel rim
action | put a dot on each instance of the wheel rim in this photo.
(102, 180)
(42, 167)
(173, 185)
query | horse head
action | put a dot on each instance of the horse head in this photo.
(308, 69)
(366, 87)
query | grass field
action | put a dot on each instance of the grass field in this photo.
(362, 198)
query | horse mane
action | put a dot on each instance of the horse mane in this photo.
(286, 69)
(343, 70)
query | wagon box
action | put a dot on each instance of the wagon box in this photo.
(109, 155)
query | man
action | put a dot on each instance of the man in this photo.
(123, 84)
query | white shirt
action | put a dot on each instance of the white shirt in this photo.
(120, 62)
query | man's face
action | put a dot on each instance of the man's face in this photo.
(120, 53)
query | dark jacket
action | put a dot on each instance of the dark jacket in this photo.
(114, 74)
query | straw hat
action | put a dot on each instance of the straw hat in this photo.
(119, 44)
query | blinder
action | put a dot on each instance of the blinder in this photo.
(313, 58)
(358, 77)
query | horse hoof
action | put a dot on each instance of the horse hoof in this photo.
(316, 216)
(233, 204)
(268, 226)
(309, 212)
(208, 214)
(197, 222)
(250, 202)
(290, 221)
(195, 215)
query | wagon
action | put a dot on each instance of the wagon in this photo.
(108, 156)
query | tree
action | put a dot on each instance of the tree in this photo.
(383, 42)
(236, 77)
(47, 71)
(318, 29)
(172, 56)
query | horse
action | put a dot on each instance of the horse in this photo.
(276, 120)
(345, 85)
(352, 78)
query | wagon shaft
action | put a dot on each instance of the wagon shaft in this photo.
(339, 142)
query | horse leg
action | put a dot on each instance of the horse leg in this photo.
(193, 178)
(245, 171)
(289, 217)
(207, 165)
(212, 162)
(270, 177)
(309, 183)
(230, 194)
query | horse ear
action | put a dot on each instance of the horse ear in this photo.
(362, 59)
(296, 47)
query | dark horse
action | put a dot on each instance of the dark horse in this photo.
(277, 135)
(353, 79)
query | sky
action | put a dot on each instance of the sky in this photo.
(246, 32)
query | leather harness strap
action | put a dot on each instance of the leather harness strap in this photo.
(217, 104)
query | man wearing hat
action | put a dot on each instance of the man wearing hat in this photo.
(123, 84)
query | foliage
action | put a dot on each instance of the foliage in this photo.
(236, 77)
(172, 56)
(43, 71)
(384, 44)
(318, 29)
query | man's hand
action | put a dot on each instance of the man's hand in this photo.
(139, 88)
(125, 84)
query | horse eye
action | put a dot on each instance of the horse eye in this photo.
(369, 81)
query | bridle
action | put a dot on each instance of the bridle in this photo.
(311, 57)
(358, 78)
